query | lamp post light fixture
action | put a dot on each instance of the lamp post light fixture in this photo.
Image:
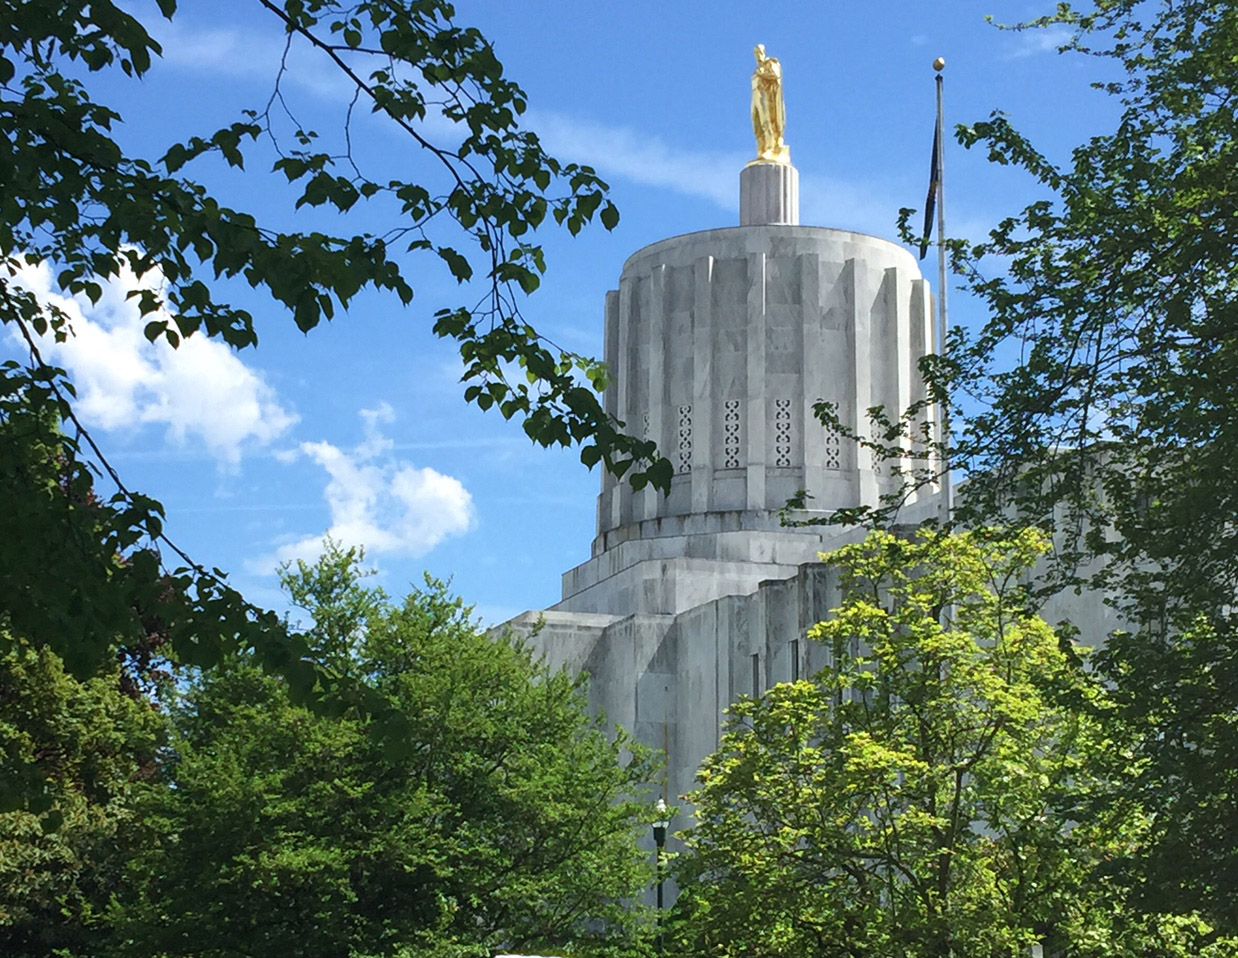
(659, 839)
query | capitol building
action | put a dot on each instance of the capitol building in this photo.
(719, 345)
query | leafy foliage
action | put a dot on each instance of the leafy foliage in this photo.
(1123, 292)
(505, 818)
(87, 750)
(928, 793)
(108, 598)
(72, 198)
(1102, 393)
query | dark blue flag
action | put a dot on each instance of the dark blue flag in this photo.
(930, 202)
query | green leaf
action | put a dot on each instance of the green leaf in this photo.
(458, 265)
(80, 198)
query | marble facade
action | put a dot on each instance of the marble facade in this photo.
(720, 342)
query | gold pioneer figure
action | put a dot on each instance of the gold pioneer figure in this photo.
(769, 113)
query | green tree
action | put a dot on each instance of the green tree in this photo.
(87, 749)
(1121, 289)
(1100, 397)
(926, 794)
(506, 819)
(72, 198)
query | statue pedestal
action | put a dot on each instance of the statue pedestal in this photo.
(769, 194)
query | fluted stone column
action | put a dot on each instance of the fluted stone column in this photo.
(769, 195)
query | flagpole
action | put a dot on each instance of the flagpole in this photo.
(943, 325)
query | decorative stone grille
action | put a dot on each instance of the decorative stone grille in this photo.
(782, 432)
(833, 448)
(685, 438)
(730, 434)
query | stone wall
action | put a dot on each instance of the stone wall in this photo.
(721, 343)
(670, 678)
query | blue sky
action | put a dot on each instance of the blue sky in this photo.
(360, 427)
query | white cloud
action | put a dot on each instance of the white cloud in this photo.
(255, 50)
(850, 206)
(627, 153)
(201, 391)
(622, 151)
(1043, 40)
(615, 151)
(389, 506)
(252, 52)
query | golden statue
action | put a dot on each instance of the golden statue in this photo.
(769, 113)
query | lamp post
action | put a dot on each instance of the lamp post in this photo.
(659, 839)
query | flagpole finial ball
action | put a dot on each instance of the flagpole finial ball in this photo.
(939, 64)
